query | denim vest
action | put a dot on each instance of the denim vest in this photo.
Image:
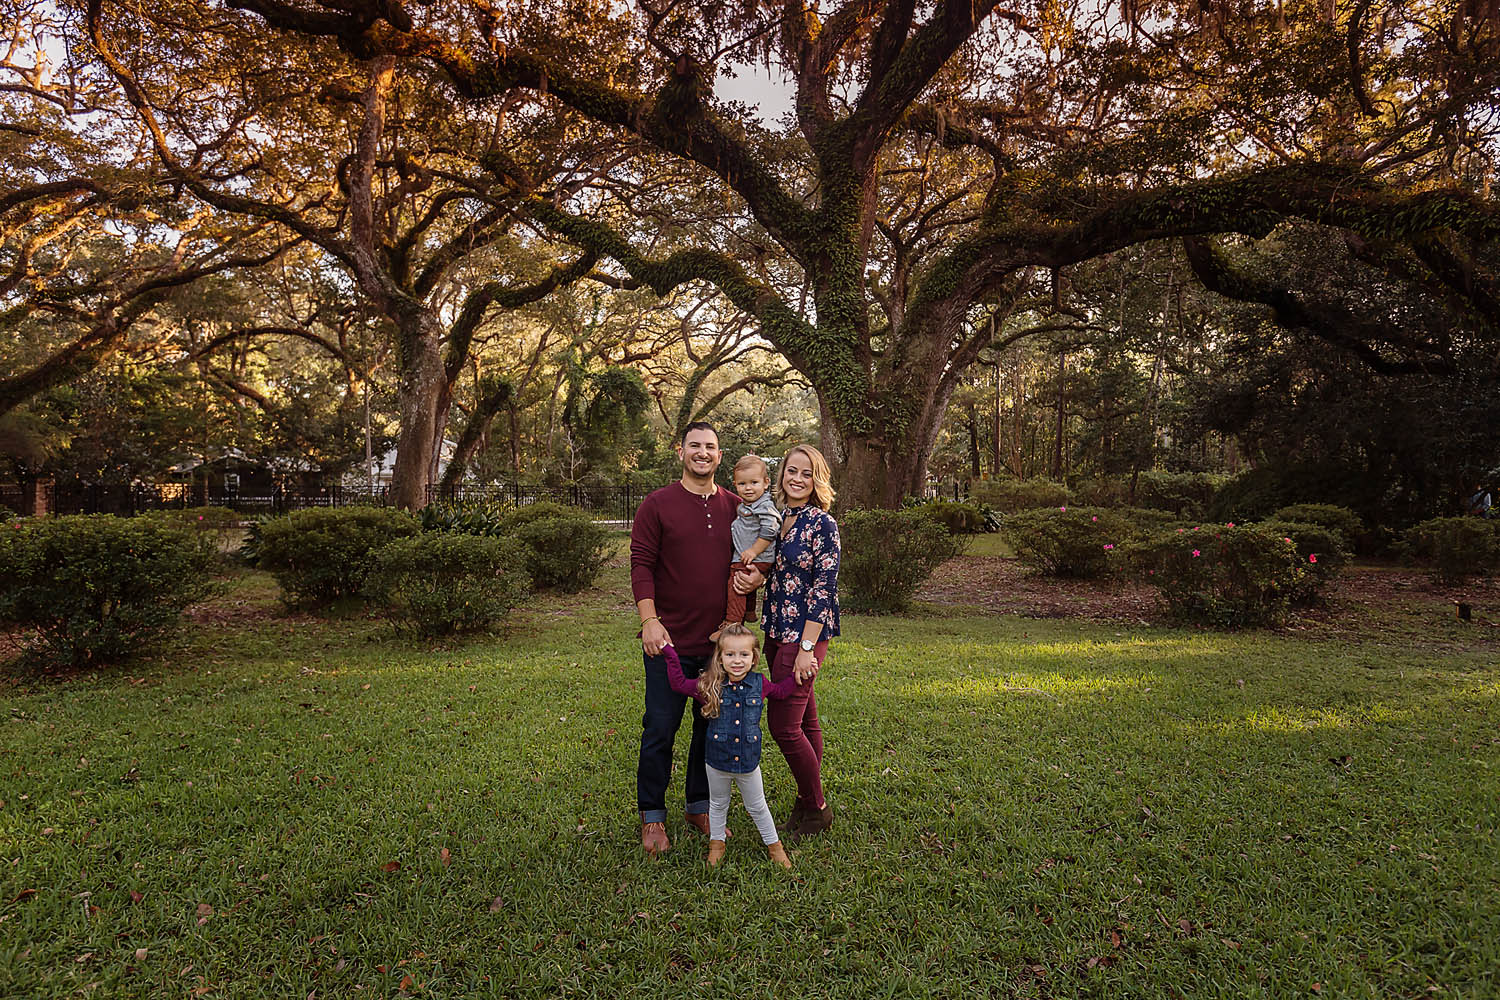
(733, 742)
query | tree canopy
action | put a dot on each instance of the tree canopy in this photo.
(950, 177)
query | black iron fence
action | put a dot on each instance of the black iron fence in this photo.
(137, 498)
(606, 502)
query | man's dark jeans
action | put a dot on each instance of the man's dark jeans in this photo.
(659, 733)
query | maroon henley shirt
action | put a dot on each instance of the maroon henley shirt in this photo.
(680, 551)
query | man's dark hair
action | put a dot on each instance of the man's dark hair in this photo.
(697, 425)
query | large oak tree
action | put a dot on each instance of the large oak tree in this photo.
(946, 160)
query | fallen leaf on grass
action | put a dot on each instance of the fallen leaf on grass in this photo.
(135, 897)
(1114, 939)
(391, 866)
(447, 857)
(140, 954)
(406, 982)
(1185, 925)
(497, 904)
(23, 894)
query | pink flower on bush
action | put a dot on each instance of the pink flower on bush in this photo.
(1150, 572)
(1062, 508)
(1287, 540)
(1313, 557)
(1197, 526)
(1108, 548)
(1196, 553)
(1229, 525)
(200, 517)
(1094, 518)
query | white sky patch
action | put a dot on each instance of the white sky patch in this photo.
(771, 95)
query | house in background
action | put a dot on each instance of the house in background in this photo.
(383, 465)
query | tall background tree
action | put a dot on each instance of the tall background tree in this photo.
(943, 169)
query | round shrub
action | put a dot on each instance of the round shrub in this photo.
(886, 554)
(1145, 521)
(1008, 495)
(1071, 541)
(565, 551)
(201, 518)
(958, 518)
(1454, 548)
(96, 588)
(1340, 519)
(1186, 494)
(437, 583)
(541, 510)
(1244, 575)
(321, 554)
(1322, 551)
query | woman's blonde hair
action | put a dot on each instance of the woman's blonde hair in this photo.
(822, 490)
(711, 681)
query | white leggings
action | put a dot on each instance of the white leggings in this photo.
(720, 787)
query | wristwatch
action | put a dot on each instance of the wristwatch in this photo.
(807, 645)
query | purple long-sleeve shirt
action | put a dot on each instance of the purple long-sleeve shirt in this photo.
(685, 685)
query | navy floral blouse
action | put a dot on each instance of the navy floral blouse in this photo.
(804, 584)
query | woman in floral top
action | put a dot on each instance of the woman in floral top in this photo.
(801, 614)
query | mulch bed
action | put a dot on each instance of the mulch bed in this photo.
(1368, 603)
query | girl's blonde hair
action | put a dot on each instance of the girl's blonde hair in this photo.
(822, 491)
(711, 681)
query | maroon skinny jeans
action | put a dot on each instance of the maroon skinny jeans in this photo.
(794, 723)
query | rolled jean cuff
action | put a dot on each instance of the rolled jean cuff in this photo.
(653, 815)
(697, 808)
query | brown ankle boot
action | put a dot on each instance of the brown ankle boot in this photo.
(814, 822)
(778, 854)
(715, 853)
(790, 823)
(654, 839)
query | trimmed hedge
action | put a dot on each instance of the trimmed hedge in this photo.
(565, 548)
(885, 556)
(322, 554)
(437, 583)
(1068, 541)
(958, 518)
(1340, 519)
(1010, 495)
(1242, 575)
(96, 588)
(1454, 548)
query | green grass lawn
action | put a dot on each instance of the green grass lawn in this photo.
(283, 807)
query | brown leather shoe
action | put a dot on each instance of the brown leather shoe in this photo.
(654, 839)
(699, 822)
(813, 823)
(778, 855)
(715, 853)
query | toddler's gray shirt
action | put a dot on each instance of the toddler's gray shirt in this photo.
(755, 520)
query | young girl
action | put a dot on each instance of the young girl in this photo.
(733, 697)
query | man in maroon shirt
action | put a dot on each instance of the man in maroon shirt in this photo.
(680, 551)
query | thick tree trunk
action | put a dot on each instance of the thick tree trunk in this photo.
(422, 381)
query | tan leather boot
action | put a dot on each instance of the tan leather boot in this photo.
(715, 853)
(778, 854)
(654, 839)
